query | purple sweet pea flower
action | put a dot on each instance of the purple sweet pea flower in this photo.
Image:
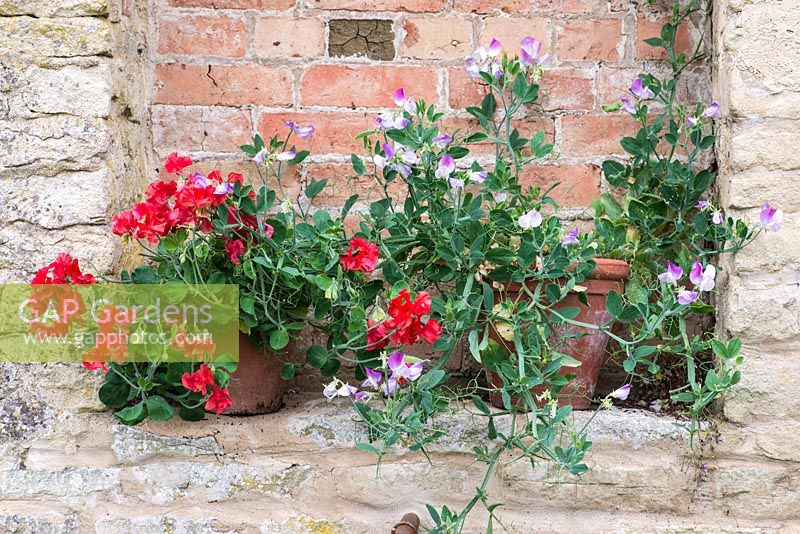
(686, 297)
(641, 91)
(260, 157)
(400, 99)
(362, 396)
(571, 238)
(286, 156)
(495, 48)
(483, 60)
(771, 218)
(500, 197)
(529, 52)
(621, 393)
(717, 217)
(702, 204)
(712, 111)
(691, 122)
(330, 390)
(225, 188)
(446, 167)
(303, 132)
(703, 278)
(532, 219)
(373, 379)
(200, 181)
(389, 386)
(456, 183)
(442, 140)
(478, 176)
(672, 274)
(628, 106)
(401, 369)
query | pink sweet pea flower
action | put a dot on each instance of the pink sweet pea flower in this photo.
(532, 219)
(627, 105)
(446, 167)
(703, 278)
(529, 52)
(442, 140)
(400, 99)
(621, 393)
(373, 379)
(686, 297)
(571, 238)
(286, 156)
(641, 91)
(672, 274)
(771, 218)
(303, 132)
(712, 111)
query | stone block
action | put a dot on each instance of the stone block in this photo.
(55, 37)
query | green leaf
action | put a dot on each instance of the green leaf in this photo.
(158, 408)
(614, 304)
(330, 367)
(316, 356)
(287, 371)
(358, 165)
(278, 339)
(132, 414)
(315, 187)
(197, 413)
(114, 395)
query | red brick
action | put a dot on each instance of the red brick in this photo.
(578, 185)
(199, 129)
(526, 126)
(595, 135)
(435, 38)
(511, 31)
(343, 182)
(289, 37)
(367, 86)
(525, 6)
(595, 40)
(203, 36)
(334, 132)
(222, 86)
(646, 29)
(236, 4)
(414, 6)
(568, 89)
(464, 91)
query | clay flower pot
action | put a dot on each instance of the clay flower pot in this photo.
(256, 386)
(590, 348)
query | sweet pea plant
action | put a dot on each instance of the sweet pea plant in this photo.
(465, 231)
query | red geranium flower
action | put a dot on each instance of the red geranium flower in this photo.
(65, 270)
(219, 401)
(199, 380)
(234, 250)
(175, 163)
(361, 256)
(405, 326)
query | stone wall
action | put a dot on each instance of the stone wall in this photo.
(81, 83)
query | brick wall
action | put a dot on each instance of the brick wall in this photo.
(224, 68)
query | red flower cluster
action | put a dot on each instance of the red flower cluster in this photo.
(405, 326)
(199, 380)
(219, 401)
(169, 205)
(64, 270)
(361, 256)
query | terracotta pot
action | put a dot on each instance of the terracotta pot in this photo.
(589, 349)
(256, 386)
